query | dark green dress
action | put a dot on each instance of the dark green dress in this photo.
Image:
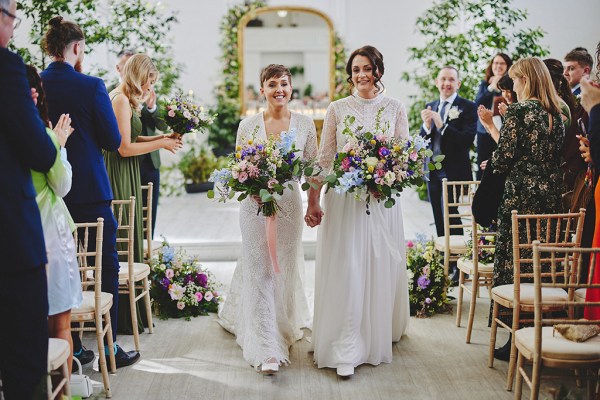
(531, 155)
(124, 177)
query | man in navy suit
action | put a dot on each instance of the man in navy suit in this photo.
(451, 124)
(24, 145)
(86, 101)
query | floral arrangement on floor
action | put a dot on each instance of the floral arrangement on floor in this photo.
(184, 116)
(374, 164)
(180, 286)
(262, 168)
(486, 255)
(426, 279)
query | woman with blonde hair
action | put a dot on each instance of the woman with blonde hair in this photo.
(529, 153)
(139, 76)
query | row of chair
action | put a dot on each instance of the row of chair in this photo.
(94, 313)
(559, 231)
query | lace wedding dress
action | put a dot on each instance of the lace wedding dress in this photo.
(265, 310)
(361, 288)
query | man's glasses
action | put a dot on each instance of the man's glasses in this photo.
(16, 20)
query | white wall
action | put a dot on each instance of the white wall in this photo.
(387, 24)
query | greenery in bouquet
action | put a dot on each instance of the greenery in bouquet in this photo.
(374, 164)
(426, 279)
(184, 116)
(486, 255)
(263, 169)
(180, 286)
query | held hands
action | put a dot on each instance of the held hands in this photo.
(63, 129)
(486, 117)
(429, 116)
(590, 94)
(584, 148)
(171, 144)
(314, 215)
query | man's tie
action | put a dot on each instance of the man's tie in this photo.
(443, 109)
(437, 138)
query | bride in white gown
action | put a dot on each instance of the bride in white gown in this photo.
(361, 290)
(264, 309)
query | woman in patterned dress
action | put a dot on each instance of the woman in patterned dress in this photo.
(529, 152)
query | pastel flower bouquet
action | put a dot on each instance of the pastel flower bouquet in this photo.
(262, 168)
(184, 116)
(374, 164)
(426, 278)
(487, 254)
(180, 287)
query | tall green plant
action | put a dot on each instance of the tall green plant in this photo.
(142, 26)
(466, 34)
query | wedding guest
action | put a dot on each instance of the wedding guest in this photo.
(488, 90)
(505, 84)
(64, 282)
(139, 77)
(451, 123)
(266, 310)
(361, 287)
(578, 64)
(565, 96)
(486, 116)
(24, 145)
(86, 101)
(151, 121)
(529, 154)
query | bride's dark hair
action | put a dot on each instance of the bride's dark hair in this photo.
(376, 59)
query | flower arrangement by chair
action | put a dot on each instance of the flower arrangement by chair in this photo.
(486, 255)
(180, 286)
(426, 279)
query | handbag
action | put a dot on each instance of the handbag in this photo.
(81, 385)
(488, 196)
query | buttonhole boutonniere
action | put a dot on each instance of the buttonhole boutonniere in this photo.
(453, 113)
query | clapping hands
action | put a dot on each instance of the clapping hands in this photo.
(428, 116)
(63, 129)
(590, 94)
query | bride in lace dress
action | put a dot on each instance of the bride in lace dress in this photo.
(264, 309)
(361, 289)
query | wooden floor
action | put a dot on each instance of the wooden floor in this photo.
(197, 359)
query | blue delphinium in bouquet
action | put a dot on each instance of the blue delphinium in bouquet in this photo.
(426, 278)
(374, 164)
(180, 286)
(184, 116)
(263, 168)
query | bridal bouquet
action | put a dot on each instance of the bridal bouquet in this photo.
(374, 164)
(262, 168)
(183, 115)
(180, 286)
(426, 279)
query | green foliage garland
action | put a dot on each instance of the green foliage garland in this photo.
(488, 29)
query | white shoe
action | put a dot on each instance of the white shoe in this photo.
(345, 370)
(269, 367)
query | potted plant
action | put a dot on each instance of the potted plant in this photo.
(196, 165)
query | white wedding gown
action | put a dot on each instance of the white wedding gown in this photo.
(265, 310)
(361, 289)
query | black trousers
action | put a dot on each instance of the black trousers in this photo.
(150, 174)
(435, 191)
(24, 333)
(485, 147)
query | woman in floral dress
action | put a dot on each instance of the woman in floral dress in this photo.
(529, 152)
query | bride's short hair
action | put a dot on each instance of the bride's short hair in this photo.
(274, 71)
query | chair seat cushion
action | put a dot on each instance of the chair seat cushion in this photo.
(466, 266)
(557, 347)
(580, 294)
(88, 303)
(140, 270)
(457, 244)
(527, 294)
(58, 353)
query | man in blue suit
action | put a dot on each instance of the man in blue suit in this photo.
(24, 145)
(451, 124)
(86, 101)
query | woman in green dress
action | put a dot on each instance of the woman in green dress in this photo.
(139, 77)
(529, 152)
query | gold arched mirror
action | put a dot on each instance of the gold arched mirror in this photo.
(300, 38)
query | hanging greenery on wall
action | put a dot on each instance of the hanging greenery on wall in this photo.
(466, 34)
(148, 26)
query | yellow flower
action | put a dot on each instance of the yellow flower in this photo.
(238, 155)
(250, 141)
(238, 148)
(370, 168)
(396, 148)
(352, 152)
(373, 142)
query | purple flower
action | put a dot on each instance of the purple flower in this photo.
(202, 279)
(165, 282)
(423, 282)
(383, 151)
(428, 301)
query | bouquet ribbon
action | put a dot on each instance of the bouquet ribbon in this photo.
(271, 227)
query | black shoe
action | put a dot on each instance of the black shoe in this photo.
(85, 357)
(124, 358)
(503, 353)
